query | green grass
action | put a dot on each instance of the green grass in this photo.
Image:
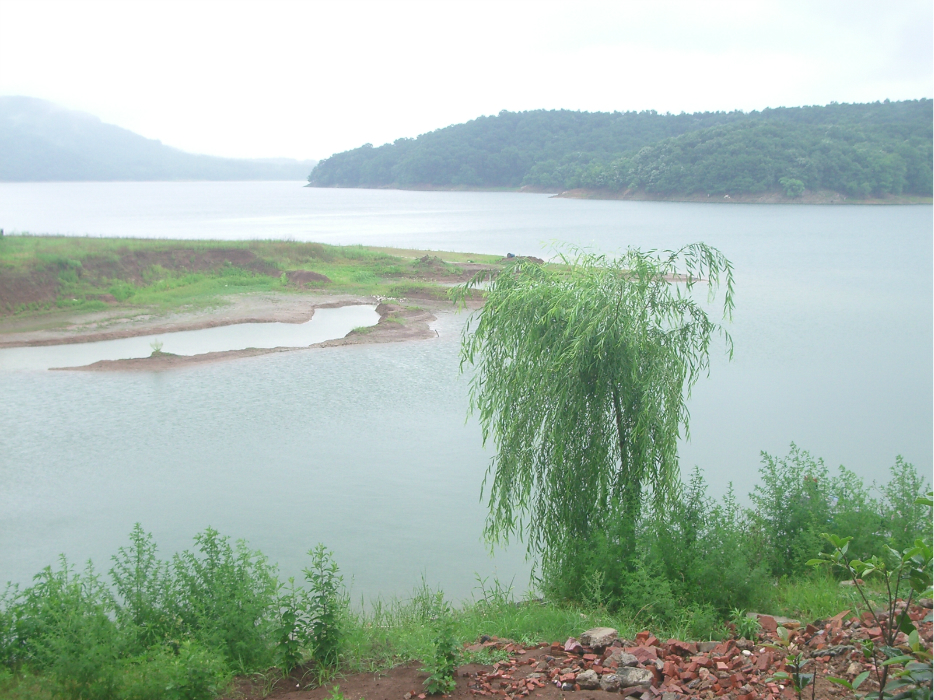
(162, 275)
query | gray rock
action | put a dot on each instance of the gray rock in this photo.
(588, 680)
(629, 677)
(838, 649)
(670, 696)
(704, 647)
(610, 683)
(567, 686)
(599, 637)
(622, 658)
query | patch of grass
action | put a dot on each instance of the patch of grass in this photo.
(92, 274)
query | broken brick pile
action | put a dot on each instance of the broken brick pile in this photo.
(650, 669)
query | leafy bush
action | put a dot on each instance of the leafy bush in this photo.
(227, 598)
(441, 663)
(326, 606)
(193, 673)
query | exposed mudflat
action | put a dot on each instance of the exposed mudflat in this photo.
(397, 323)
(112, 324)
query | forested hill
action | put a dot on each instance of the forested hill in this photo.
(856, 149)
(40, 141)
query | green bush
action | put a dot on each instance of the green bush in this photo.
(62, 626)
(227, 598)
(326, 606)
(442, 660)
(192, 673)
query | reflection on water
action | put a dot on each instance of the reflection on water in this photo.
(325, 325)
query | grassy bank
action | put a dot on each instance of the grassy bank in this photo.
(43, 274)
(194, 621)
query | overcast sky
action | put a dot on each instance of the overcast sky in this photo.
(308, 79)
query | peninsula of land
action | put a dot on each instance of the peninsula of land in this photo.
(62, 290)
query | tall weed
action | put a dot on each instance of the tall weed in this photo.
(227, 597)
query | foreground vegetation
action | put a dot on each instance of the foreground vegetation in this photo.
(858, 150)
(183, 627)
(46, 273)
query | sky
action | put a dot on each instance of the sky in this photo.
(306, 79)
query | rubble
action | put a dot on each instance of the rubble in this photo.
(650, 669)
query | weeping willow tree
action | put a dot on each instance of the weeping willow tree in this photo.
(582, 371)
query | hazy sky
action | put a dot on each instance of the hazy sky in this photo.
(307, 79)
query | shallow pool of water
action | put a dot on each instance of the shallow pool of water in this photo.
(326, 324)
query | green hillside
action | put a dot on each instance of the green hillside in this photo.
(857, 149)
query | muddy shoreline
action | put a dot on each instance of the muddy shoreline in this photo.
(84, 327)
(396, 323)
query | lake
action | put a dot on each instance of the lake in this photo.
(366, 448)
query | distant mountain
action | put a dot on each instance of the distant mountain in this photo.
(882, 148)
(40, 141)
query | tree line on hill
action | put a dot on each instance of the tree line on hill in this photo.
(881, 148)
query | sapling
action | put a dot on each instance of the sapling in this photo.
(442, 663)
(907, 573)
(325, 606)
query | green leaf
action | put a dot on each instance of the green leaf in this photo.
(841, 681)
(858, 681)
(898, 660)
(905, 624)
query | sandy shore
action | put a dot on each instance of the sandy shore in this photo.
(396, 323)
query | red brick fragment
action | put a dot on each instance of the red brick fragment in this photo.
(765, 661)
(644, 654)
(681, 648)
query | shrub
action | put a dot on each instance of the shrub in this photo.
(326, 606)
(144, 587)
(792, 508)
(63, 626)
(227, 598)
(904, 518)
(441, 663)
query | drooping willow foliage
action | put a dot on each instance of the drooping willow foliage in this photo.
(582, 370)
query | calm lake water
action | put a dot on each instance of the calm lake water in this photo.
(367, 449)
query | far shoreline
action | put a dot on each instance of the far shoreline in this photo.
(820, 197)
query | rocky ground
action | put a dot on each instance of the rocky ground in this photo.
(599, 664)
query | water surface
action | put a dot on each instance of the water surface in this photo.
(367, 449)
(326, 324)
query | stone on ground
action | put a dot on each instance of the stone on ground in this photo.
(629, 677)
(598, 637)
(622, 658)
(588, 680)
